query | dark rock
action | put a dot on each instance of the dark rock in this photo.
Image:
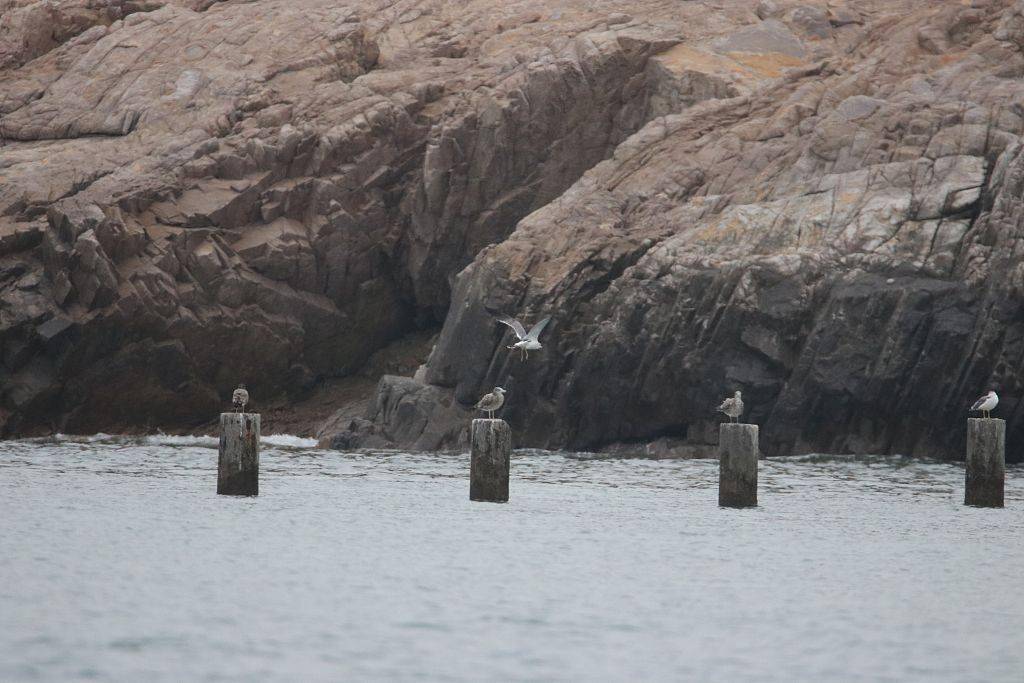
(56, 332)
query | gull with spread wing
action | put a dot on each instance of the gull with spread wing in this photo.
(527, 340)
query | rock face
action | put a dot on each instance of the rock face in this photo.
(840, 239)
(816, 203)
(195, 194)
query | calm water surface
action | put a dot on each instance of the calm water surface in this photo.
(118, 562)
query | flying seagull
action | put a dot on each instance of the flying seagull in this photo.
(733, 407)
(527, 340)
(986, 403)
(491, 402)
(240, 398)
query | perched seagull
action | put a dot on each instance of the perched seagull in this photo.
(527, 340)
(733, 407)
(491, 402)
(986, 403)
(239, 398)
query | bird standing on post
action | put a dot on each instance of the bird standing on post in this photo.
(491, 402)
(527, 340)
(733, 407)
(986, 403)
(240, 398)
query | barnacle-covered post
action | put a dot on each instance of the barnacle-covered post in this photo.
(238, 466)
(490, 456)
(737, 465)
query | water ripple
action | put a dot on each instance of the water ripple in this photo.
(119, 562)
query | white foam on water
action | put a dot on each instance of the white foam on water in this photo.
(173, 440)
(204, 441)
(288, 441)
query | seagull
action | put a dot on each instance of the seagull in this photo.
(733, 407)
(986, 403)
(240, 398)
(527, 340)
(491, 402)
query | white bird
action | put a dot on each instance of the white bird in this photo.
(986, 403)
(491, 402)
(240, 398)
(527, 340)
(733, 407)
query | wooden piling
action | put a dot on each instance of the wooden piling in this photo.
(238, 467)
(490, 453)
(986, 462)
(737, 465)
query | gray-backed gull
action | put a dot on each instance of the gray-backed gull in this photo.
(986, 403)
(527, 340)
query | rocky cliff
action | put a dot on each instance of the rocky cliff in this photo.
(817, 203)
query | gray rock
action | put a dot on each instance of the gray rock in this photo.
(768, 36)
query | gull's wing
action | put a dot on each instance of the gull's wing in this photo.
(727, 403)
(977, 404)
(516, 326)
(487, 402)
(538, 328)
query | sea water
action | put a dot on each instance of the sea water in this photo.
(119, 562)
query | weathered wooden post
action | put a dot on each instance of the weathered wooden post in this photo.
(986, 462)
(737, 465)
(490, 454)
(238, 467)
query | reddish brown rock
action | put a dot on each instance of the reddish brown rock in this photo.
(818, 206)
(272, 191)
(840, 241)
